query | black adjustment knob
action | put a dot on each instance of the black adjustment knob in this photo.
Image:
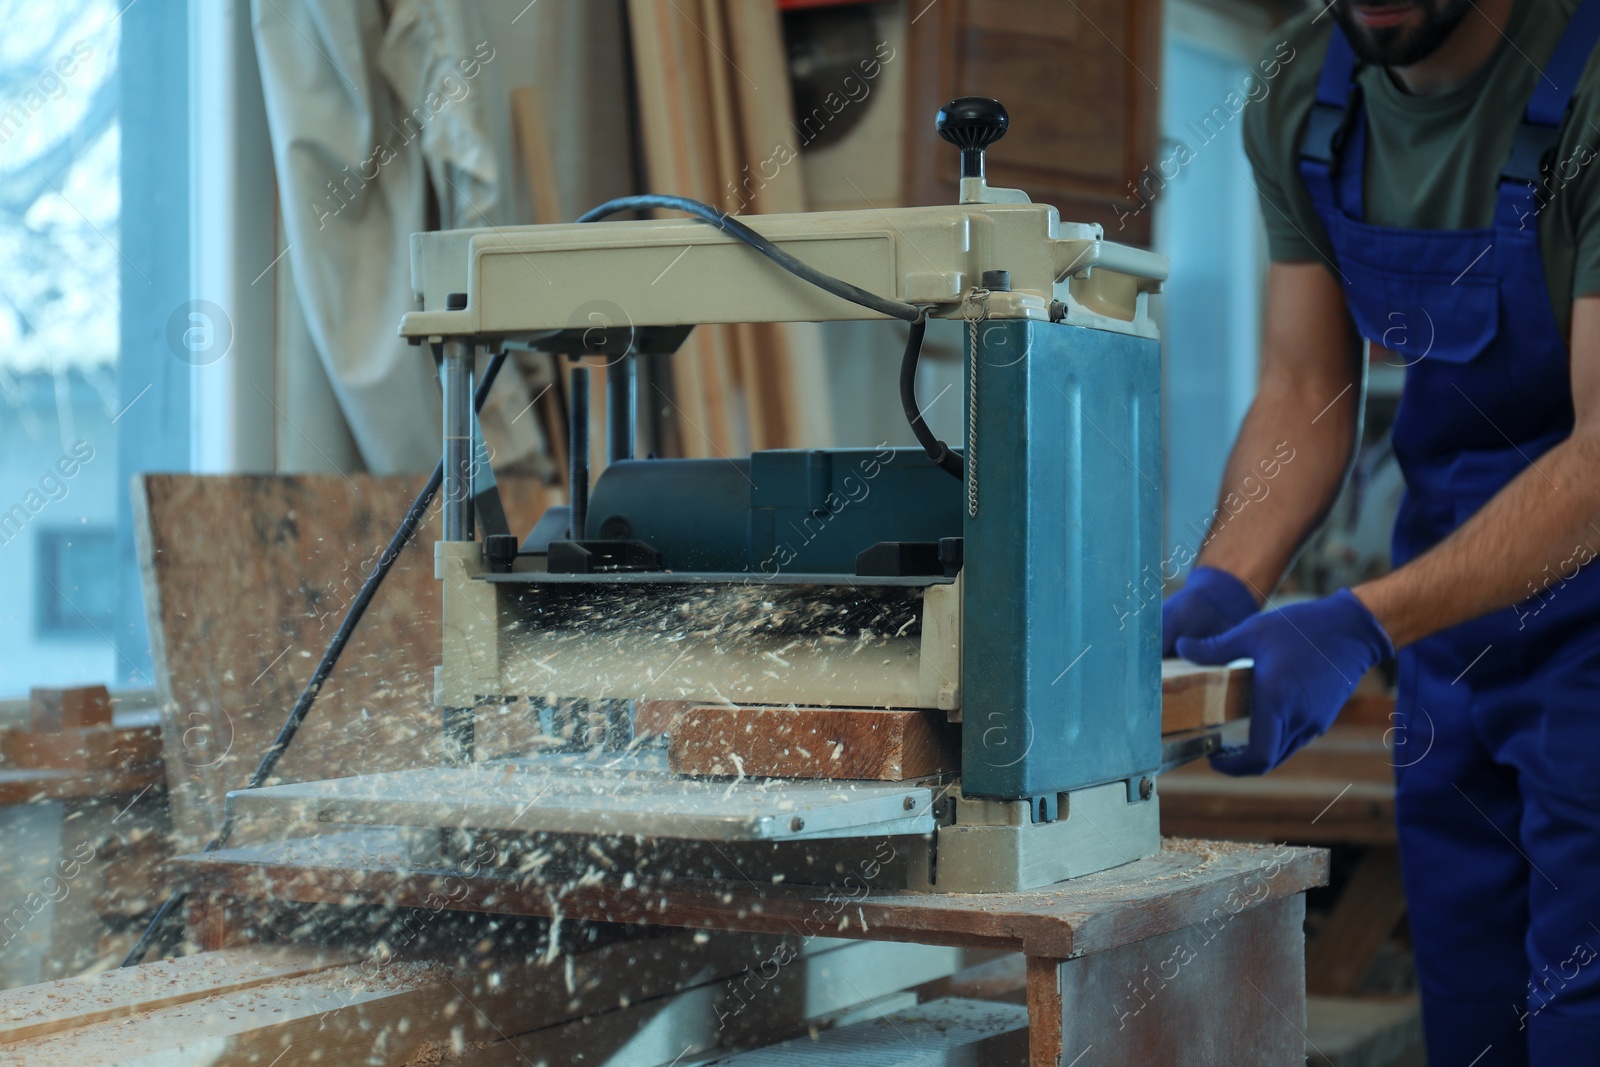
(972, 124)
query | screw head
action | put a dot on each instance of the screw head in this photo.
(797, 824)
(1147, 788)
(911, 803)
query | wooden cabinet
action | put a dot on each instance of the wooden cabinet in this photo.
(1080, 79)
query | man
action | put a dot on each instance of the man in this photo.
(1423, 169)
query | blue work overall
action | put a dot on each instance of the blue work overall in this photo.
(1498, 773)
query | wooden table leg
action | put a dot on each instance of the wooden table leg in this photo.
(1228, 990)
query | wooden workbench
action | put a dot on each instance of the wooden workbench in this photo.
(1170, 932)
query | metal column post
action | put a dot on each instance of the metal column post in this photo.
(578, 450)
(456, 378)
(622, 407)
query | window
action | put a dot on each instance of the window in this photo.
(93, 113)
(73, 599)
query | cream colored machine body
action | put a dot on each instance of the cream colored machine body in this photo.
(989, 598)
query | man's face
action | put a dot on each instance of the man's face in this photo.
(1398, 33)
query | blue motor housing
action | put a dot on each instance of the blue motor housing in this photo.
(782, 511)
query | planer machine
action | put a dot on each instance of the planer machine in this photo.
(977, 583)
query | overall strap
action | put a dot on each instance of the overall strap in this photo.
(1540, 130)
(1334, 114)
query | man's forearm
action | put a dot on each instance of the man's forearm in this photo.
(1526, 541)
(1256, 542)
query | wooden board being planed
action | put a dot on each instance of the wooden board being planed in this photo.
(888, 745)
(1193, 696)
(893, 744)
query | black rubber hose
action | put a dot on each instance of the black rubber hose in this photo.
(937, 450)
(330, 658)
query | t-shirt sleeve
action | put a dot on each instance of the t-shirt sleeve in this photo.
(1285, 79)
(1581, 160)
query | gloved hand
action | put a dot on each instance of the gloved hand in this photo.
(1309, 658)
(1209, 603)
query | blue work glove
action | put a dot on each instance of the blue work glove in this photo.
(1211, 602)
(1309, 658)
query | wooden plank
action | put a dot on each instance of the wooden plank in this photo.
(1368, 909)
(246, 578)
(888, 745)
(893, 745)
(87, 748)
(33, 787)
(552, 1007)
(69, 709)
(1045, 1009)
(1182, 884)
(1193, 696)
(787, 382)
(1315, 811)
(52, 1007)
(986, 975)
(671, 120)
(538, 161)
(1343, 754)
(1338, 789)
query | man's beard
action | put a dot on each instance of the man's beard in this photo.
(1401, 46)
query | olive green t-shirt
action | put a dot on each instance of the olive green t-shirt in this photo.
(1433, 162)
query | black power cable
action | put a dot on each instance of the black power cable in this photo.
(937, 450)
(728, 224)
(419, 507)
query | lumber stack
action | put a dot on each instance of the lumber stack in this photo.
(72, 907)
(715, 112)
(71, 730)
